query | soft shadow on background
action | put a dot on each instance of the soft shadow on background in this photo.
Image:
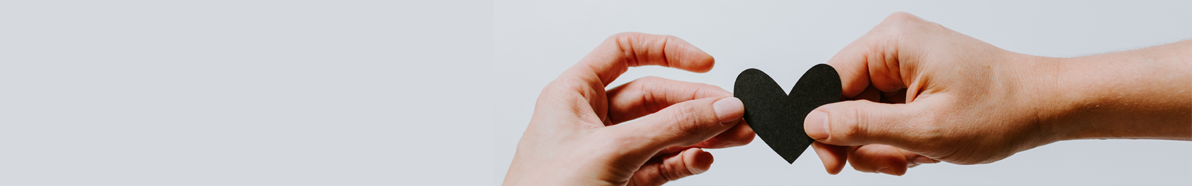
(536, 40)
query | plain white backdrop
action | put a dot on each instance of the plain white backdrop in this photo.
(536, 40)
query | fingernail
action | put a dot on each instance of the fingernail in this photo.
(885, 170)
(924, 160)
(816, 125)
(729, 109)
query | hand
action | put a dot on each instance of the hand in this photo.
(581, 134)
(922, 93)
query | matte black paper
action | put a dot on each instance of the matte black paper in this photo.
(778, 117)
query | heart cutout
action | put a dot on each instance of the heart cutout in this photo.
(777, 116)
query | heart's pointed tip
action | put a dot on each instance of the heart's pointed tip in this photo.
(789, 159)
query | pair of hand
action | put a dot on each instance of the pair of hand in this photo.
(919, 93)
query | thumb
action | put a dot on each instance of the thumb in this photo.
(860, 122)
(683, 124)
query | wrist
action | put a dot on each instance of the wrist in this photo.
(1064, 95)
(1080, 87)
(1139, 94)
(1041, 80)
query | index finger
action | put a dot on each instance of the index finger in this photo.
(619, 52)
(880, 57)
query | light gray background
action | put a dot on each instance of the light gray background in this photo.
(360, 92)
(245, 92)
(536, 40)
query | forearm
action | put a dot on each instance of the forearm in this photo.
(1138, 94)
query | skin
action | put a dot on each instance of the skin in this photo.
(919, 93)
(582, 134)
(922, 93)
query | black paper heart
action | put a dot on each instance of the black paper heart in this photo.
(778, 117)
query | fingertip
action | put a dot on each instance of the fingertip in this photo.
(892, 171)
(700, 61)
(729, 109)
(900, 170)
(816, 125)
(701, 160)
(833, 157)
(746, 133)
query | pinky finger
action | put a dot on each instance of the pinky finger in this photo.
(689, 162)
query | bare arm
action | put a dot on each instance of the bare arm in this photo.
(920, 92)
(1144, 93)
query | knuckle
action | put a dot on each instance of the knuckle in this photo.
(901, 16)
(930, 131)
(904, 24)
(648, 84)
(624, 44)
(649, 101)
(930, 127)
(853, 123)
(900, 23)
(674, 171)
(682, 124)
(559, 86)
(905, 19)
(670, 38)
(622, 35)
(714, 90)
(685, 118)
(620, 140)
(667, 172)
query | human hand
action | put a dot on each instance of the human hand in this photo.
(581, 134)
(921, 93)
